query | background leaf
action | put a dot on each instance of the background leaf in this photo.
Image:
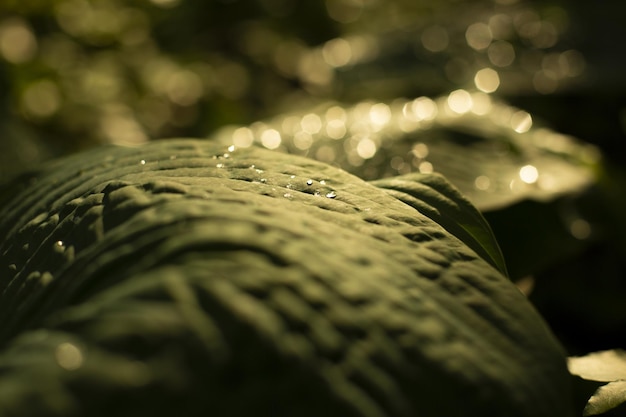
(606, 398)
(609, 365)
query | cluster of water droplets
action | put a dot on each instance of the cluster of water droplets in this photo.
(316, 188)
(292, 185)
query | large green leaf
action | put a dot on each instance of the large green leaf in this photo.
(243, 281)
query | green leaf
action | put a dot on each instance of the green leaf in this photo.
(313, 288)
(605, 366)
(496, 159)
(606, 398)
(433, 196)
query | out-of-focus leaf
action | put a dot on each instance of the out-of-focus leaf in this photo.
(608, 365)
(489, 150)
(20, 150)
(606, 398)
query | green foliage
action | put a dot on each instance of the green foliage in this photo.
(382, 89)
(434, 197)
(606, 366)
(243, 281)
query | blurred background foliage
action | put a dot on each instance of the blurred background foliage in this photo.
(492, 93)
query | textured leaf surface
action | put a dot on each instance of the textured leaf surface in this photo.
(433, 196)
(181, 278)
(606, 398)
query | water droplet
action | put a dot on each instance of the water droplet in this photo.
(287, 195)
(69, 356)
(259, 171)
(142, 162)
(323, 182)
(231, 148)
(317, 194)
(220, 165)
(292, 177)
(331, 194)
(59, 246)
(252, 166)
(309, 182)
(263, 180)
(226, 156)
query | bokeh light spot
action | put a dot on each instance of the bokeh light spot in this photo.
(426, 167)
(366, 148)
(482, 182)
(460, 101)
(69, 356)
(302, 141)
(41, 99)
(271, 139)
(580, 229)
(521, 121)
(337, 52)
(380, 114)
(529, 174)
(435, 38)
(17, 41)
(487, 80)
(311, 123)
(478, 36)
(501, 53)
(344, 11)
(243, 137)
(424, 108)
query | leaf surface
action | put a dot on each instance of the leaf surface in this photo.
(606, 398)
(605, 366)
(433, 196)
